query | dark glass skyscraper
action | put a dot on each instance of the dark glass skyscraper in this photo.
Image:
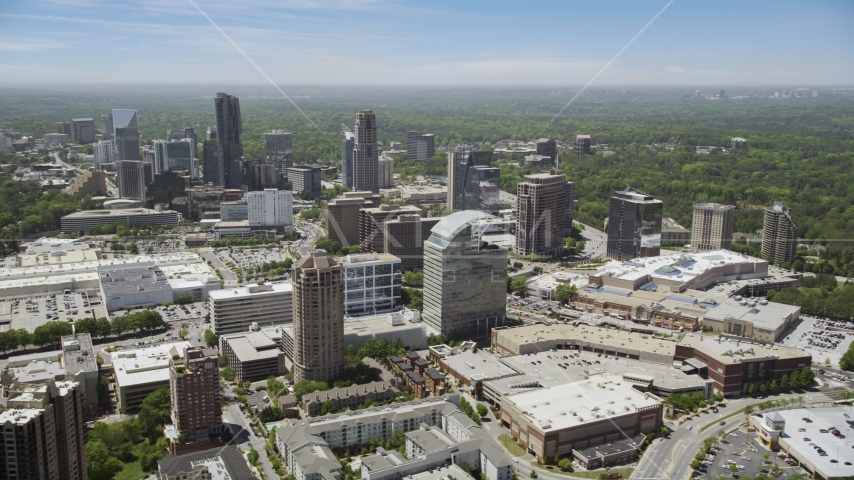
(229, 129)
(125, 134)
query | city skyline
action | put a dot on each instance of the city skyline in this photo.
(690, 43)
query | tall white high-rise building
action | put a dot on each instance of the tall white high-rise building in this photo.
(131, 179)
(386, 176)
(103, 152)
(271, 208)
(365, 153)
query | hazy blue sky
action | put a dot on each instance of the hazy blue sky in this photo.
(444, 42)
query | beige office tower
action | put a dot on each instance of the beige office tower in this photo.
(712, 226)
(342, 216)
(43, 429)
(779, 234)
(318, 318)
(365, 154)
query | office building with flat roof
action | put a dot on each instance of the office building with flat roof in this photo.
(372, 220)
(404, 238)
(140, 372)
(86, 220)
(365, 153)
(305, 178)
(107, 125)
(342, 216)
(83, 130)
(196, 401)
(278, 147)
(386, 172)
(419, 146)
(64, 128)
(253, 355)
(234, 310)
(465, 279)
(582, 145)
(55, 139)
(131, 179)
(44, 431)
(547, 148)
(271, 208)
(712, 226)
(779, 234)
(634, 225)
(372, 283)
(673, 234)
(318, 300)
(541, 214)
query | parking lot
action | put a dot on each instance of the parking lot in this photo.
(31, 311)
(823, 339)
(740, 450)
(247, 262)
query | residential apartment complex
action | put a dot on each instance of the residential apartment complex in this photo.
(348, 143)
(196, 401)
(271, 208)
(386, 172)
(712, 226)
(541, 214)
(253, 354)
(318, 330)
(779, 234)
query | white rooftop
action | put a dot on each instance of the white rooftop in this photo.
(143, 260)
(573, 404)
(251, 290)
(762, 314)
(145, 365)
(822, 418)
(683, 267)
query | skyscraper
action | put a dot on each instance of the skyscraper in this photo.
(570, 212)
(187, 132)
(271, 208)
(712, 226)
(103, 152)
(43, 431)
(541, 214)
(634, 225)
(83, 130)
(229, 129)
(176, 155)
(131, 179)
(386, 172)
(365, 154)
(419, 146)
(125, 134)
(465, 279)
(64, 127)
(779, 234)
(318, 303)
(107, 124)
(213, 169)
(459, 163)
(195, 398)
(278, 146)
(348, 143)
(234, 174)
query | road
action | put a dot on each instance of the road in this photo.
(595, 241)
(671, 458)
(228, 277)
(245, 438)
(310, 234)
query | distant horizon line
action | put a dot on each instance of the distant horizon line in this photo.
(267, 85)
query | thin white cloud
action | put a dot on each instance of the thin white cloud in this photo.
(21, 44)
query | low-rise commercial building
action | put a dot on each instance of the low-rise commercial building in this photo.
(673, 234)
(469, 367)
(254, 355)
(234, 310)
(84, 221)
(122, 288)
(752, 318)
(140, 372)
(579, 415)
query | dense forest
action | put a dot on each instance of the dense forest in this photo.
(801, 150)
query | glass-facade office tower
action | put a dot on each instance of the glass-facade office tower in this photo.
(213, 170)
(125, 134)
(541, 213)
(634, 225)
(278, 146)
(472, 183)
(419, 146)
(229, 128)
(176, 155)
(348, 143)
(107, 123)
(365, 153)
(465, 279)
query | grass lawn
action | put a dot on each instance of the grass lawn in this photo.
(132, 471)
(514, 448)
